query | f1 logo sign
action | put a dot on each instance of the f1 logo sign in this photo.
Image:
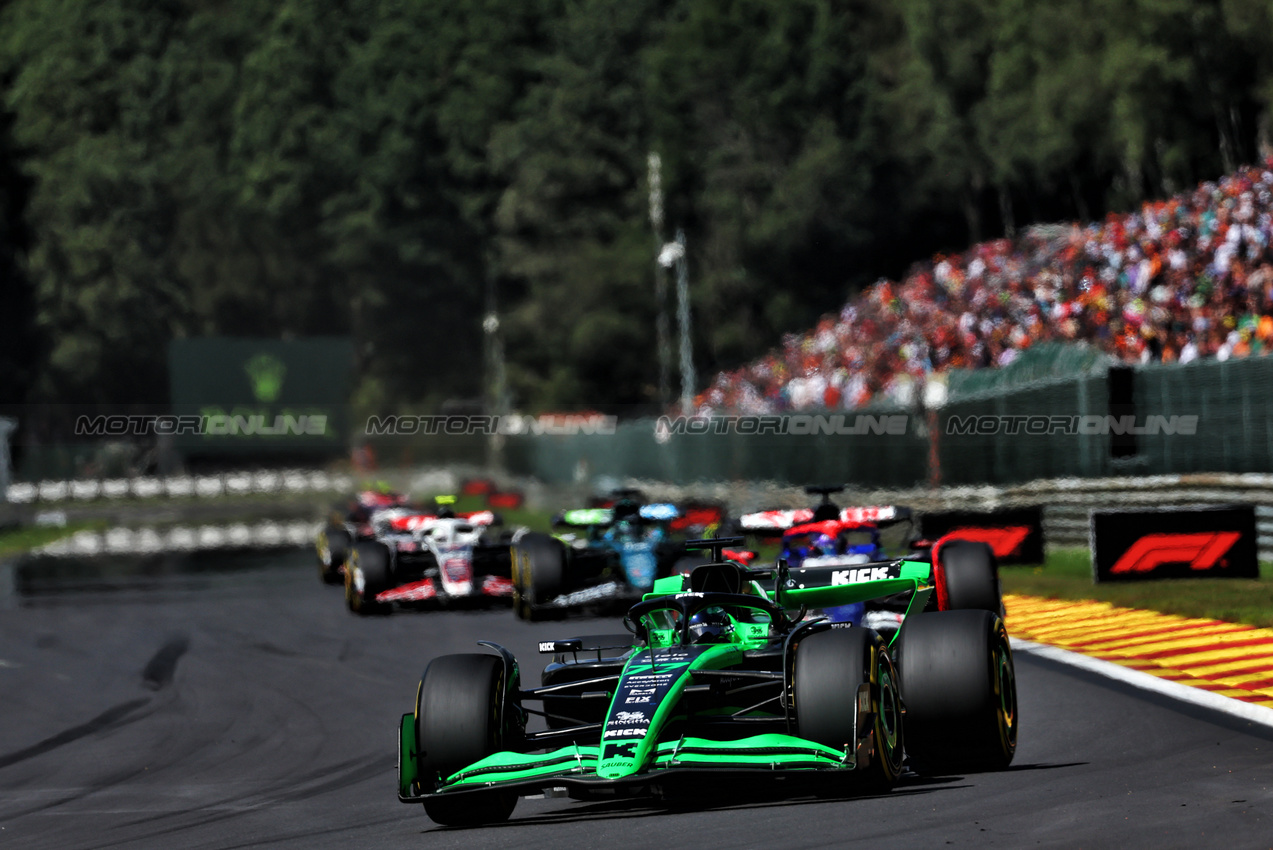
(1005, 541)
(1201, 551)
(1015, 535)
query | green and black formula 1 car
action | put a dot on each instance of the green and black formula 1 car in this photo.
(720, 677)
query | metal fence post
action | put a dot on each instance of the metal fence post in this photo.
(7, 427)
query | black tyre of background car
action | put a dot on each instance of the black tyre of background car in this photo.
(829, 667)
(461, 718)
(971, 576)
(959, 687)
(539, 571)
(371, 559)
(336, 542)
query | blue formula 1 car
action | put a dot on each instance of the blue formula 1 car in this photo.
(846, 538)
(600, 558)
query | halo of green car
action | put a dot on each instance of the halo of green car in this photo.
(724, 674)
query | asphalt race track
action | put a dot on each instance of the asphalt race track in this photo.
(235, 703)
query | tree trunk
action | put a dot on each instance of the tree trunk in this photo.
(1005, 212)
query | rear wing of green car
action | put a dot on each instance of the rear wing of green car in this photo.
(819, 586)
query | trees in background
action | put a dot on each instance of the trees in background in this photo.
(388, 169)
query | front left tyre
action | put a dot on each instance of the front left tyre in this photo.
(461, 718)
(333, 550)
(368, 572)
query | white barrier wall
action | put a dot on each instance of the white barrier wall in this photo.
(181, 538)
(204, 486)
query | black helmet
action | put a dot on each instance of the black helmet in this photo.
(445, 507)
(711, 625)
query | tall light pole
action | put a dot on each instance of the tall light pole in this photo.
(655, 164)
(674, 253)
(496, 378)
(7, 427)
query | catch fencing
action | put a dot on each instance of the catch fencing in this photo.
(1098, 422)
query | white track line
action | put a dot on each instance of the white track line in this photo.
(1149, 682)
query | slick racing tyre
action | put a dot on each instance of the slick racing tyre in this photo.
(367, 573)
(967, 577)
(829, 668)
(460, 718)
(333, 550)
(539, 572)
(960, 691)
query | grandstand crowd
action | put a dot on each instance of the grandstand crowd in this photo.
(1181, 279)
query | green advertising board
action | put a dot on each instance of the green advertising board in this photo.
(260, 396)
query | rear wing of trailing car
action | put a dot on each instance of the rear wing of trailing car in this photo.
(603, 517)
(775, 522)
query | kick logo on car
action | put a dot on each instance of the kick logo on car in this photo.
(860, 574)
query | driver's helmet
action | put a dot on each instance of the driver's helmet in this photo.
(825, 511)
(711, 625)
(824, 544)
(446, 507)
(797, 547)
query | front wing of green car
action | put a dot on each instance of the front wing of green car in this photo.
(575, 767)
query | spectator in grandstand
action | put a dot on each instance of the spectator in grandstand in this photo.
(1180, 279)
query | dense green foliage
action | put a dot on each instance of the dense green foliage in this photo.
(384, 168)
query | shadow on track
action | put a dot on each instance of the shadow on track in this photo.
(721, 801)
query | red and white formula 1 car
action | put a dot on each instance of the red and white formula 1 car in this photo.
(834, 537)
(350, 521)
(420, 559)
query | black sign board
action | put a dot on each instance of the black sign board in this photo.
(1195, 542)
(1015, 534)
(255, 396)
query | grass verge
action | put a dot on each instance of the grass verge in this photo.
(1067, 574)
(15, 541)
(512, 517)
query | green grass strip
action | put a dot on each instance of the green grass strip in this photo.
(1067, 574)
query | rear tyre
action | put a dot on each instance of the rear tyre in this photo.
(539, 572)
(333, 551)
(960, 690)
(969, 578)
(829, 667)
(368, 572)
(461, 719)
